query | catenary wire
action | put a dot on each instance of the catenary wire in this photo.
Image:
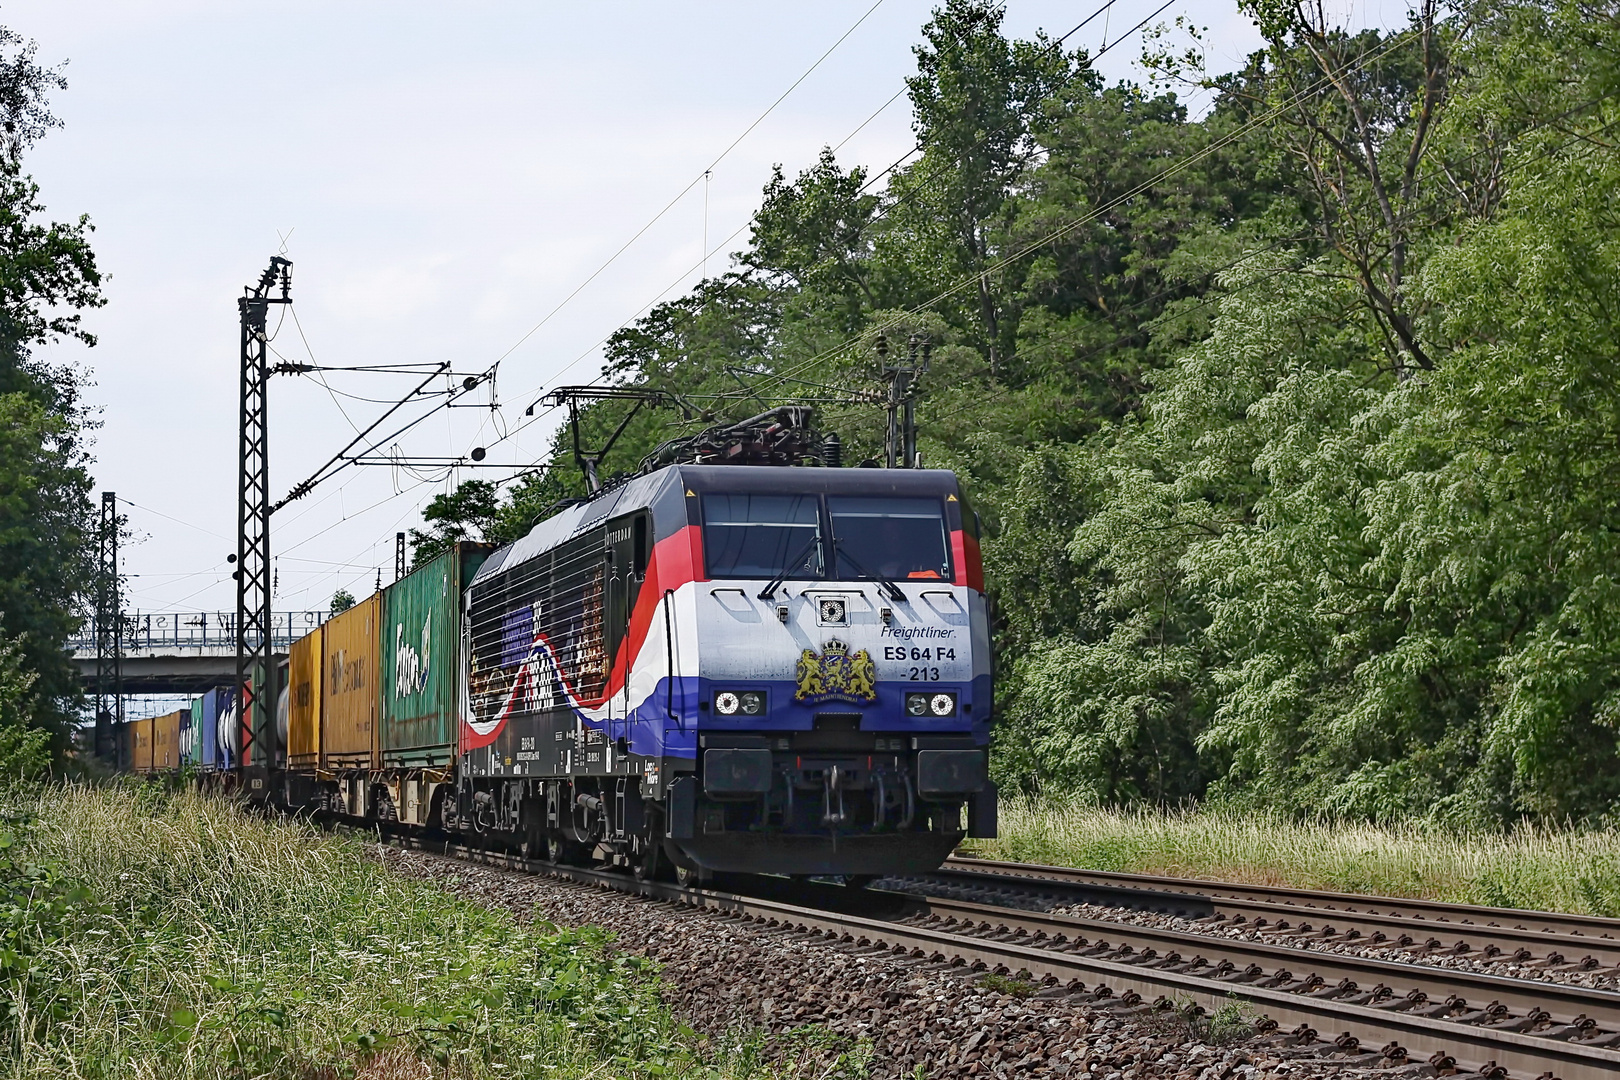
(170, 517)
(776, 380)
(1068, 227)
(337, 464)
(1056, 234)
(885, 211)
(683, 192)
(703, 259)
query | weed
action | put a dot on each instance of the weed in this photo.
(1233, 1022)
(1008, 984)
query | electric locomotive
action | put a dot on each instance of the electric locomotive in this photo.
(730, 668)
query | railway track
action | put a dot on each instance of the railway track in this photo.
(1546, 941)
(1343, 1009)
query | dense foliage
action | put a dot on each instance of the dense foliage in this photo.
(1293, 423)
(48, 276)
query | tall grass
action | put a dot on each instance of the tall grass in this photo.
(199, 942)
(1529, 867)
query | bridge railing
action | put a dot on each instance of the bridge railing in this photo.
(155, 631)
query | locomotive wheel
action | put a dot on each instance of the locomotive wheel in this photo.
(691, 877)
(858, 881)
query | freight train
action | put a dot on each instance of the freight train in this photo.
(757, 668)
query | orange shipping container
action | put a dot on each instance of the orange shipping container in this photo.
(349, 678)
(304, 663)
(141, 741)
(166, 742)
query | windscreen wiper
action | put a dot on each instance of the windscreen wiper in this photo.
(888, 586)
(769, 591)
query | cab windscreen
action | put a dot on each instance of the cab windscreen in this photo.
(762, 536)
(894, 538)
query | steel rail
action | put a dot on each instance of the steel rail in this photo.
(1430, 934)
(1140, 944)
(1553, 922)
(1112, 983)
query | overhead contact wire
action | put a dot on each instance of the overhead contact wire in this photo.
(694, 183)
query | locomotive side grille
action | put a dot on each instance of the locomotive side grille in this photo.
(538, 632)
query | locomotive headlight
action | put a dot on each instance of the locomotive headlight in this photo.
(726, 703)
(916, 704)
(753, 703)
(942, 704)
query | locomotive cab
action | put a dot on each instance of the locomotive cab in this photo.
(762, 669)
(844, 690)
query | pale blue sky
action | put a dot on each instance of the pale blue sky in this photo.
(448, 173)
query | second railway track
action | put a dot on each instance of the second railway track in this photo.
(1347, 1009)
(1546, 942)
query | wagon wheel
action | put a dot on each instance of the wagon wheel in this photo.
(537, 847)
(572, 852)
(647, 863)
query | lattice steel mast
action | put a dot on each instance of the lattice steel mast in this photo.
(254, 648)
(109, 624)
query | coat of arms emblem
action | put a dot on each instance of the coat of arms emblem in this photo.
(836, 674)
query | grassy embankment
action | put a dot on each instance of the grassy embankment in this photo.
(172, 937)
(1576, 870)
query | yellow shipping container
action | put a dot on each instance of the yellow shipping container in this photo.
(304, 665)
(349, 683)
(141, 742)
(166, 742)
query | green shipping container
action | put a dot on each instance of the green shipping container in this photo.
(194, 752)
(421, 660)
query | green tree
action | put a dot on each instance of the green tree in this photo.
(817, 233)
(1501, 523)
(1358, 112)
(1291, 425)
(48, 277)
(468, 513)
(25, 750)
(976, 98)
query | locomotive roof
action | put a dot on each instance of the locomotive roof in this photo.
(664, 490)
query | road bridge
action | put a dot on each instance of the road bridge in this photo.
(184, 652)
